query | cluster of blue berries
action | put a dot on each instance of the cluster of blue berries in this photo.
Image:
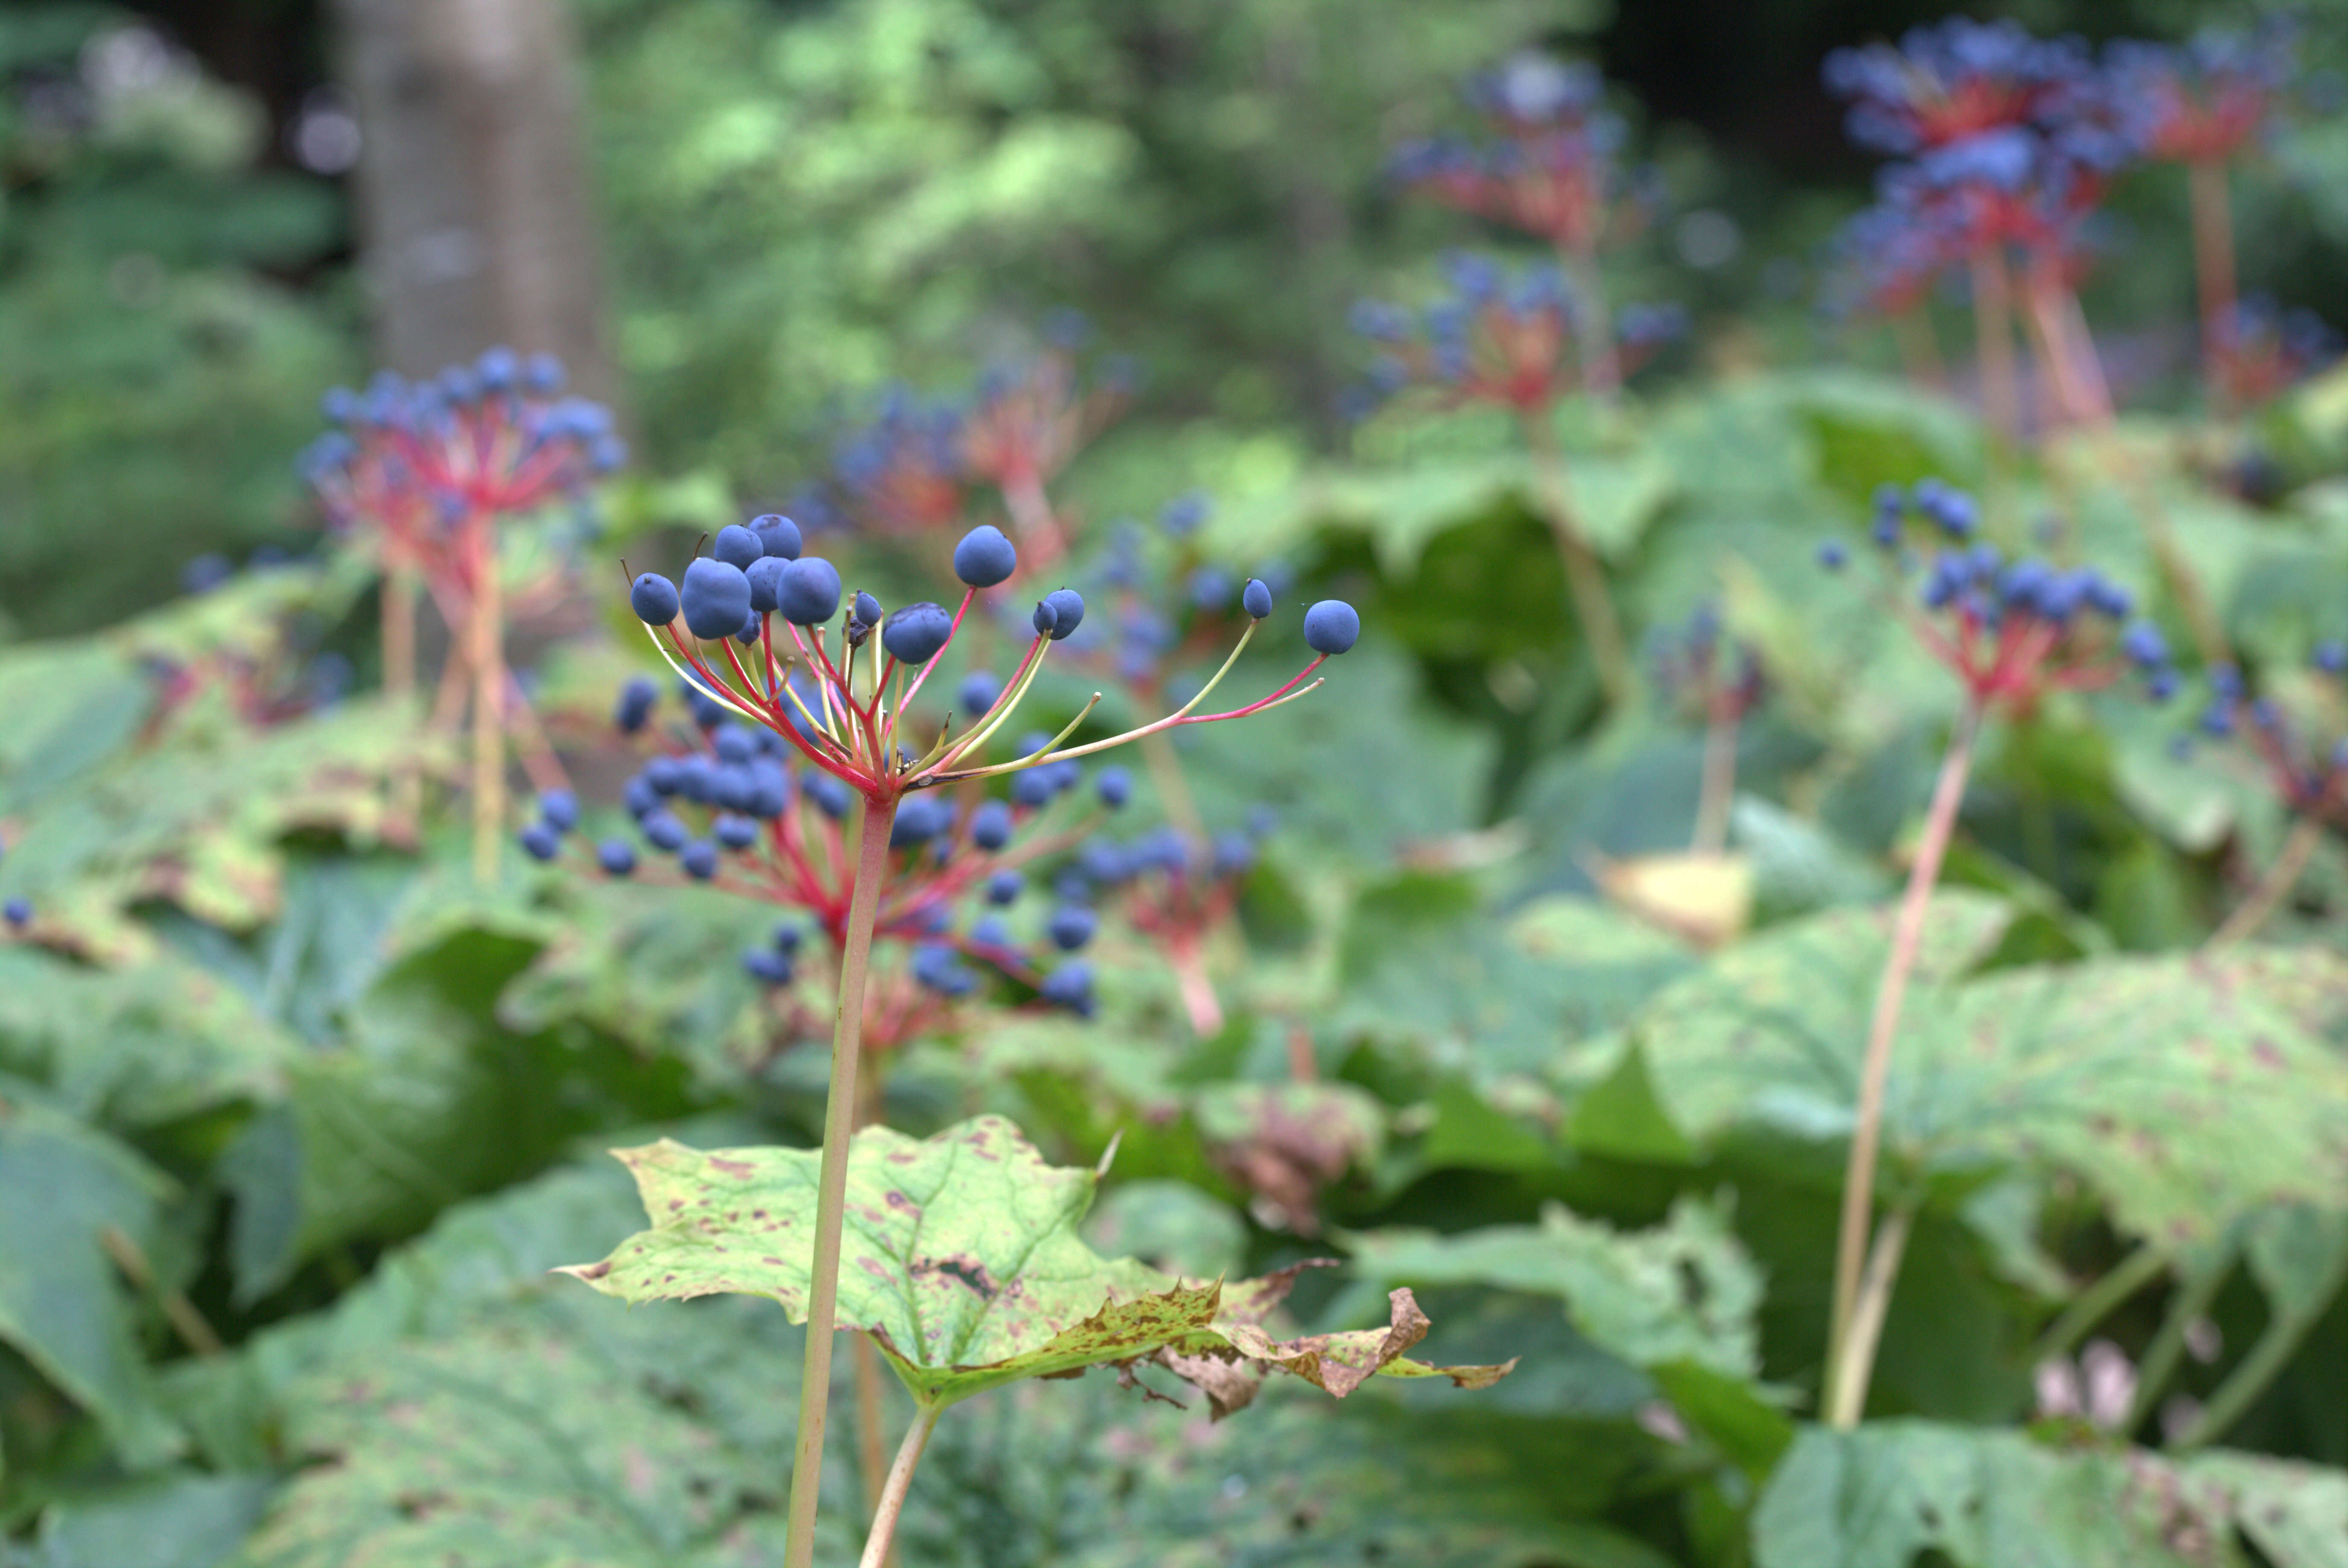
(2014, 626)
(2308, 777)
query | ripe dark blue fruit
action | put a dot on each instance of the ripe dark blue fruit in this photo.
(653, 598)
(831, 797)
(988, 931)
(1046, 618)
(767, 966)
(541, 840)
(636, 701)
(734, 742)
(699, 859)
(1070, 986)
(616, 856)
(664, 774)
(1833, 556)
(1005, 887)
(1072, 926)
(1067, 607)
(1331, 627)
(663, 831)
(990, 825)
(737, 832)
(18, 911)
(1115, 786)
(717, 599)
(765, 575)
(984, 557)
(779, 534)
(915, 633)
(737, 546)
(1256, 599)
(810, 594)
(788, 939)
(919, 818)
(866, 608)
(980, 688)
(1032, 788)
(560, 807)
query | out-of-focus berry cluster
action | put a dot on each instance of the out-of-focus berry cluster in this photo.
(2011, 628)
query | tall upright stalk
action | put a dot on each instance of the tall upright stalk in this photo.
(2213, 264)
(1993, 345)
(399, 601)
(882, 1540)
(489, 705)
(1867, 1131)
(871, 828)
(2273, 888)
(1584, 575)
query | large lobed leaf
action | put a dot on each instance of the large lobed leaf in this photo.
(1877, 1497)
(2187, 1091)
(961, 1256)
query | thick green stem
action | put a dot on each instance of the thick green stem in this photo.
(1875, 1070)
(872, 823)
(2265, 1362)
(2189, 1306)
(2273, 887)
(2129, 1275)
(878, 1544)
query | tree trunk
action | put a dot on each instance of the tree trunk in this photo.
(474, 212)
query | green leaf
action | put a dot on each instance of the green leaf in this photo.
(2172, 1085)
(962, 1258)
(62, 1301)
(1682, 1292)
(1876, 1497)
(178, 1521)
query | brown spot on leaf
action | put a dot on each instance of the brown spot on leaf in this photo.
(740, 1169)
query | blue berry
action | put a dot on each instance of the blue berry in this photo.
(980, 690)
(541, 840)
(778, 534)
(2143, 645)
(831, 797)
(936, 966)
(699, 859)
(919, 818)
(2161, 685)
(1833, 556)
(988, 931)
(1211, 588)
(637, 699)
(1005, 888)
(990, 825)
(767, 966)
(1067, 607)
(616, 856)
(653, 598)
(786, 939)
(663, 831)
(1256, 599)
(1032, 788)
(984, 557)
(1331, 627)
(734, 742)
(810, 594)
(2332, 658)
(560, 807)
(717, 599)
(737, 832)
(765, 575)
(1046, 618)
(915, 633)
(1072, 926)
(867, 608)
(1115, 786)
(1070, 986)
(18, 911)
(737, 546)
